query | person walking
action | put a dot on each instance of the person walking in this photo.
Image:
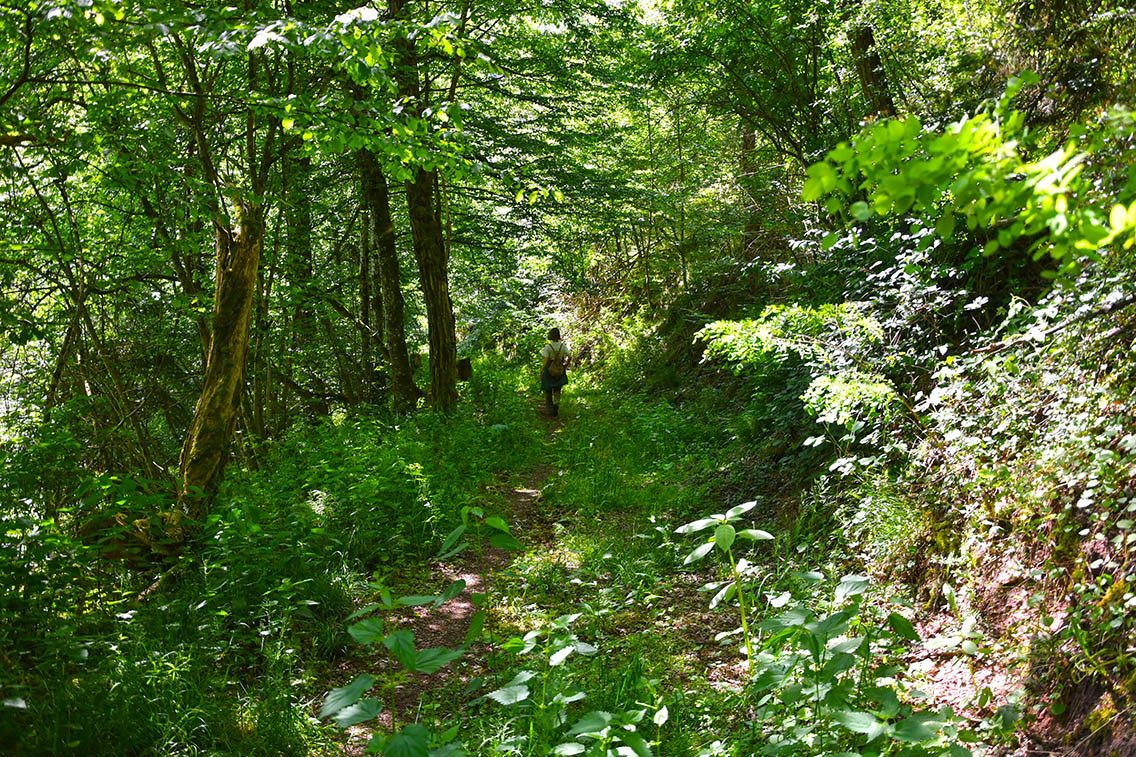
(553, 371)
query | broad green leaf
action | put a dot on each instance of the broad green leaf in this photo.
(661, 715)
(476, 623)
(701, 551)
(914, 729)
(411, 741)
(430, 660)
(570, 747)
(363, 611)
(755, 534)
(635, 741)
(345, 696)
(738, 510)
(514, 691)
(503, 540)
(450, 541)
(850, 586)
(594, 722)
(457, 587)
(725, 594)
(724, 537)
(401, 645)
(857, 722)
(498, 523)
(364, 709)
(560, 655)
(368, 631)
(415, 600)
(697, 525)
(902, 627)
(508, 695)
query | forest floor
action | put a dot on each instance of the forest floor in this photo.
(553, 575)
(617, 560)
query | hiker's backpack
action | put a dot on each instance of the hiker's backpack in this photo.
(556, 363)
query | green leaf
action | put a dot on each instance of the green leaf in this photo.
(812, 190)
(457, 587)
(450, 541)
(368, 631)
(635, 741)
(498, 523)
(701, 551)
(364, 709)
(850, 586)
(697, 525)
(476, 623)
(945, 226)
(829, 241)
(860, 211)
(725, 594)
(415, 600)
(570, 747)
(502, 540)
(661, 716)
(411, 741)
(724, 537)
(430, 660)
(363, 611)
(914, 729)
(755, 534)
(857, 722)
(594, 722)
(738, 510)
(514, 691)
(560, 655)
(401, 645)
(347, 695)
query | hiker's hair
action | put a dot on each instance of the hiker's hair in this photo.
(554, 335)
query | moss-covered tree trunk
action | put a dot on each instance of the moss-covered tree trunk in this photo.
(206, 447)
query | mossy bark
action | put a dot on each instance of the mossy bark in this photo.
(206, 447)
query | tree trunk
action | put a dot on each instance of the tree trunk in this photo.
(747, 164)
(206, 447)
(873, 81)
(429, 241)
(430, 252)
(366, 335)
(377, 199)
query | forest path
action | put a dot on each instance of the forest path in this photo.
(595, 541)
(518, 500)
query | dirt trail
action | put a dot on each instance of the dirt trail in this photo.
(446, 626)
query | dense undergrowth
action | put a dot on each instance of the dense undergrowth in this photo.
(874, 502)
(222, 652)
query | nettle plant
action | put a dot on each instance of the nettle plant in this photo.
(830, 682)
(741, 572)
(347, 706)
(825, 682)
(545, 690)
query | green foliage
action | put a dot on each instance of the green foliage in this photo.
(846, 398)
(824, 335)
(976, 170)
